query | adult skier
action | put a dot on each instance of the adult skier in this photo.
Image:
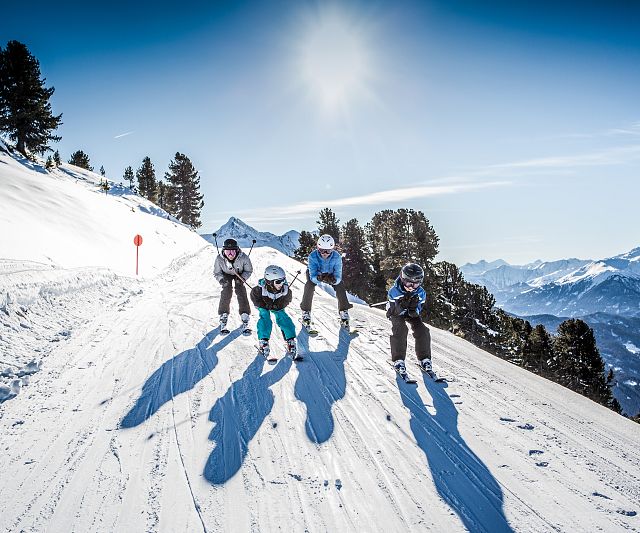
(405, 300)
(233, 266)
(271, 295)
(324, 264)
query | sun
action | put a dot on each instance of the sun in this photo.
(334, 60)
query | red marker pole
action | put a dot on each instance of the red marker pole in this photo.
(137, 240)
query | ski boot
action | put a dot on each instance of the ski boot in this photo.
(344, 319)
(292, 349)
(401, 370)
(246, 330)
(223, 324)
(306, 319)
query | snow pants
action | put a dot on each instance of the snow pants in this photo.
(309, 289)
(241, 293)
(282, 319)
(399, 331)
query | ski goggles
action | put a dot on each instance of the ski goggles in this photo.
(324, 252)
(411, 284)
(279, 281)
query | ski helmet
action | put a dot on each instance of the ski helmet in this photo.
(326, 242)
(230, 244)
(274, 273)
(412, 272)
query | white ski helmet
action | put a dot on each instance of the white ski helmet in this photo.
(274, 273)
(326, 242)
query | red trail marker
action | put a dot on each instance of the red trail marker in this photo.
(137, 240)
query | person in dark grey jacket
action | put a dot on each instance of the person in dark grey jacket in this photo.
(233, 266)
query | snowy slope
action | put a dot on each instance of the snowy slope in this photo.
(142, 418)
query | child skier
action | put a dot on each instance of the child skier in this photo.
(271, 295)
(324, 265)
(231, 265)
(405, 300)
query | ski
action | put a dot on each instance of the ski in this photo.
(431, 374)
(406, 377)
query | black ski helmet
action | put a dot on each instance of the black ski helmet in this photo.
(230, 244)
(412, 272)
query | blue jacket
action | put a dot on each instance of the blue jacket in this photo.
(319, 265)
(401, 300)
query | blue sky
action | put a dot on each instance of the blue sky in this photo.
(515, 126)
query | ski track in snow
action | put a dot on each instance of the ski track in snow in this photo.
(142, 418)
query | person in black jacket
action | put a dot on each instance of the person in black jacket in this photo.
(271, 295)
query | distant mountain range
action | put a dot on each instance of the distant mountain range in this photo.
(604, 293)
(236, 229)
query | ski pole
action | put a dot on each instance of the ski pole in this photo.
(242, 279)
(297, 274)
(252, 243)
(378, 304)
(215, 238)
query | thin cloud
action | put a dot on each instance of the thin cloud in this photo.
(612, 156)
(390, 196)
(123, 134)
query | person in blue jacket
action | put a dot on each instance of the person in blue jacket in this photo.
(404, 303)
(325, 265)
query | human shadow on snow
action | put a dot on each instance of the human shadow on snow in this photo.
(177, 375)
(460, 476)
(321, 382)
(238, 416)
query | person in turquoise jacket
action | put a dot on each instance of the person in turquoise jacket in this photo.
(271, 295)
(324, 265)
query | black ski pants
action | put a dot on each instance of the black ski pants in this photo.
(399, 331)
(309, 288)
(241, 293)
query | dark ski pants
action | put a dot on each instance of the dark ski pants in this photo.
(241, 293)
(399, 331)
(309, 288)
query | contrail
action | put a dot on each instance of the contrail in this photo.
(123, 134)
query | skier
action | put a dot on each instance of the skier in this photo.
(233, 266)
(271, 295)
(324, 265)
(405, 300)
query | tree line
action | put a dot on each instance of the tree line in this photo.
(27, 119)
(373, 255)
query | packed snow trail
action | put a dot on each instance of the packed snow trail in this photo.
(144, 418)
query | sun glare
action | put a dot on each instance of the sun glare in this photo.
(334, 62)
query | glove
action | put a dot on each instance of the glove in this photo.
(412, 313)
(322, 277)
(331, 279)
(224, 282)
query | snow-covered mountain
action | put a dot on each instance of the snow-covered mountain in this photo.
(142, 418)
(604, 293)
(236, 229)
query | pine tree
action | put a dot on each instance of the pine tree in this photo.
(80, 159)
(355, 269)
(306, 245)
(56, 158)
(184, 180)
(102, 171)
(146, 176)
(128, 176)
(578, 362)
(49, 164)
(25, 111)
(538, 351)
(328, 224)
